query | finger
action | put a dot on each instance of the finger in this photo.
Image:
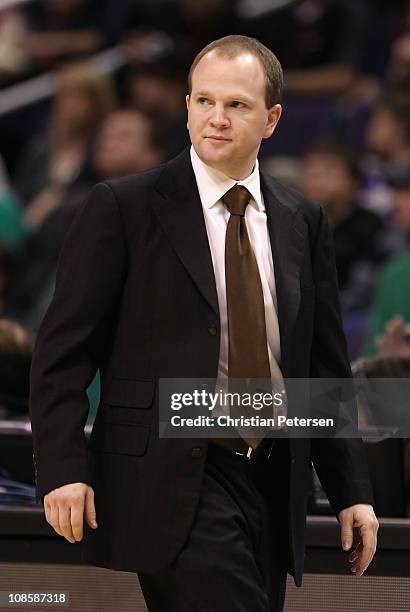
(54, 516)
(90, 515)
(354, 557)
(47, 510)
(347, 532)
(77, 520)
(64, 515)
(367, 553)
(355, 553)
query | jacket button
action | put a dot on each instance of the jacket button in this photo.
(196, 452)
(212, 330)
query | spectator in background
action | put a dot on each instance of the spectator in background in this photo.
(388, 140)
(389, 129)
(331, 176)
(124, 145)
(12, 239)
(398, 69)
(12, 231)
(151, 82)
(389, 329)
(59, 162)
(54, 171)
(16, 347)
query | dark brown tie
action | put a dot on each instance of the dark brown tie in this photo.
(248, 356)
(248, 350)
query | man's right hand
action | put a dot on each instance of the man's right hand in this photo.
(66, 507)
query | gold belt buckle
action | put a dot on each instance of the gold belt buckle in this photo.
(247, 454)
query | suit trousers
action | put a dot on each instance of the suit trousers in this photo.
(236, 555)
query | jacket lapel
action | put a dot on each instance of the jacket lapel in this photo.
(178, 207)
(288, 233)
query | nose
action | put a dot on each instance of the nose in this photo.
(219, 118)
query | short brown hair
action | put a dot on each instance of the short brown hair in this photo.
(234, 45)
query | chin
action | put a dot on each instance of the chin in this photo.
(216, 156)
(208, 153)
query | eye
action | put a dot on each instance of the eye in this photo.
(237, 104)
(203, 101)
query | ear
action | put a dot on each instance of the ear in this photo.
(274, 114)
(187, 99)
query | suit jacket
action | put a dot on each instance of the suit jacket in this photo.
(136, 297)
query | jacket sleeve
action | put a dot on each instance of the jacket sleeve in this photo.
(340, 463)
(73, 333)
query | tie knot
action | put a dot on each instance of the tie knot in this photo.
(236, 200)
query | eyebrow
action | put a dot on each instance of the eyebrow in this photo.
(239, 97)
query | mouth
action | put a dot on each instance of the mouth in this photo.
(218, 138)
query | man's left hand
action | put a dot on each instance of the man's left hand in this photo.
(362, 517)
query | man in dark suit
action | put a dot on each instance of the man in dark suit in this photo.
(144, 292)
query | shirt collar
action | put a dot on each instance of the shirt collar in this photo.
(213, 184)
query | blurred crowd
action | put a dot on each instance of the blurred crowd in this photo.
(344, 138)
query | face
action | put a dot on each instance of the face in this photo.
(123, 145)
(384, 132)
(227, 114)
(326, 179)
(401, 207)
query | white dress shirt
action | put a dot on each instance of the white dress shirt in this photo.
(212, 185)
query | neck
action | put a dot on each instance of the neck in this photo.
(237, 174)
